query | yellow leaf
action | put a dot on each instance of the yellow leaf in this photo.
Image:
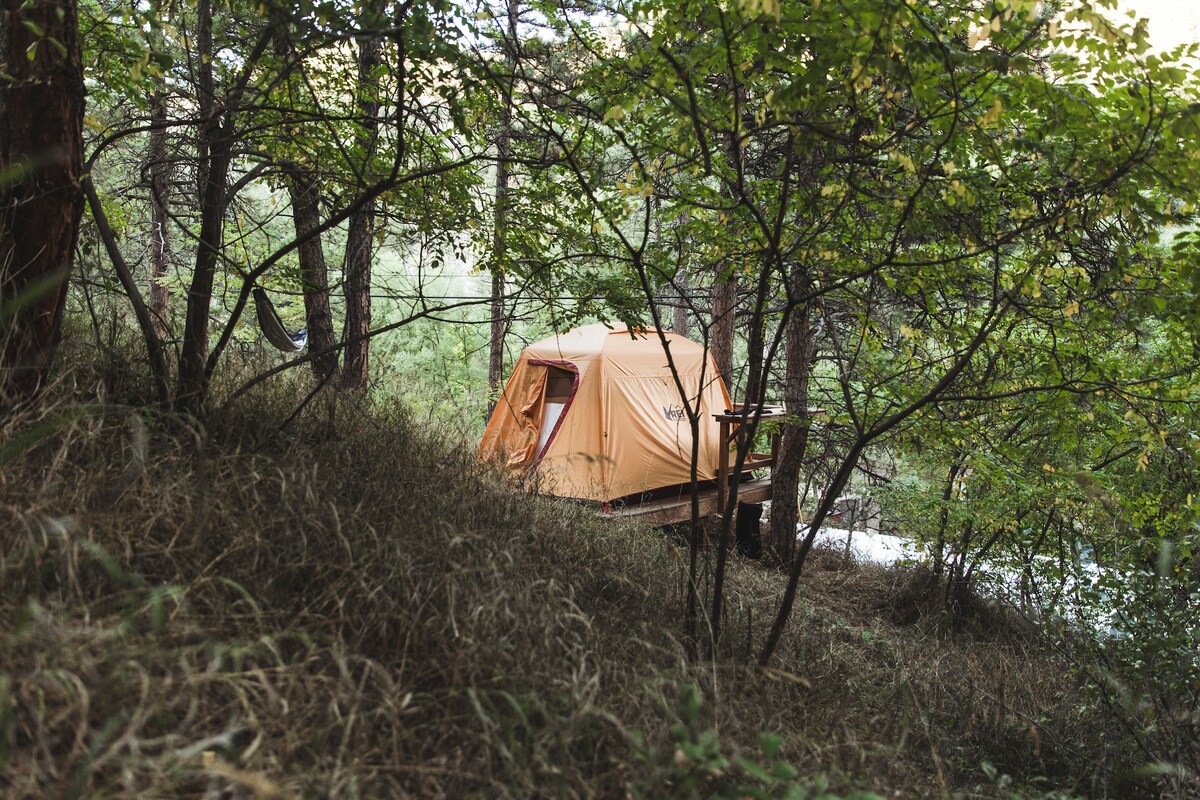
(614, 113)
(992, 116)
(790, 677)
(1072, 309)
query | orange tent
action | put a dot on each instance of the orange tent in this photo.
(594, 413)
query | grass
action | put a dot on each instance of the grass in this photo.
(342, 603)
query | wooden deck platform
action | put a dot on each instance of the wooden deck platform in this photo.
(678, 508)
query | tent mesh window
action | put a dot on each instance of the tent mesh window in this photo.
(558, 384)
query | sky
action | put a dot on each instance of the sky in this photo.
(1172, 22)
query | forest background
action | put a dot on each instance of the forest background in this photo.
(964, 231)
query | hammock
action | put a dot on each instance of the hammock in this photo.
(273, 328)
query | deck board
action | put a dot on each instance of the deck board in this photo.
(670, 510)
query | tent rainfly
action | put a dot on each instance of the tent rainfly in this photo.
(594, 414)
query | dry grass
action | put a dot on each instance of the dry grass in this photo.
(351, 607)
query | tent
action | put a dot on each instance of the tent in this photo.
(594, 414)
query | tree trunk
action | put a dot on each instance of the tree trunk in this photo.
(304, 191)
(305, 195)
(361, 230)
(499, 317)
(724, 298)
(499, 325)
(41, 199)
(672, 290)
(157, 166)
(215, 144)
(496, 344)
(939, 546)
(193, 382)
(725, 288)
(785, 511)
(679, 315)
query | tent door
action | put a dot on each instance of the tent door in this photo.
(560, 385)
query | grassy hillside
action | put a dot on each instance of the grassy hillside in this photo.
(341, 603)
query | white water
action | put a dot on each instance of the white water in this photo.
(872, 548)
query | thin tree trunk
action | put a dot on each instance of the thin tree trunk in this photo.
(361, 230)
(725, 288)
(724, 302)
(956, 578)
(304, 191)
(753, 398)
(679, 315)
(305, 194)
(673, 290)
(41, 200)
(499, 235)
(939, 547)
(499, 325)
(154, 350)
(499, 321)
(785, 510)
(193, 382)
(160, 206)
(842, 476)
(215, 144)
(724, 298)
(681, 319)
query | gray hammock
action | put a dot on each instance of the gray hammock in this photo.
(273, 328)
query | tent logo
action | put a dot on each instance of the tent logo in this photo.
(673, 413)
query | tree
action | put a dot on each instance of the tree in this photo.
(499, 321)
(246, 132)
(158, 171)
(913, 177)
(304, 190)
(41, 200)
(216, 118)
(361, 224)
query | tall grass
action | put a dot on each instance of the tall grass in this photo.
(342, 603)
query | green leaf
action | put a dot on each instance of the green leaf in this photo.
(754, 770)
(770, 744)
(689, 701)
